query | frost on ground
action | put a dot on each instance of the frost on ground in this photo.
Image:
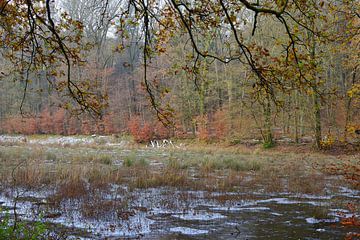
(64, 140)
(12, 139)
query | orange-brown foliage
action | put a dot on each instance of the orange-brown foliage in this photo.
(86, 126)
(219, 125)
(108, 123)
(59, 119)
(30, 126)
(73, 126)
(141, 132)
(46, 123)
(202, 132)
(146, 133)
(20, 124)
(161, 132)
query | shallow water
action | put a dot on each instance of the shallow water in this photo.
(166, 213)
(170, 213)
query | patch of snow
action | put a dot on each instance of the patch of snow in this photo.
(122, 143)
(64, 140)
(12, 139)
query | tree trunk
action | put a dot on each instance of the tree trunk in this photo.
(317, 118)
(316, 96)
(268, 136)
(348, 105)
(296, 117)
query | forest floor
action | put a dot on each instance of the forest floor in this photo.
(97, 187)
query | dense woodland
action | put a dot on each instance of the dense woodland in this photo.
(216, 70)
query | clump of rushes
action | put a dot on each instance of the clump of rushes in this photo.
(132, 160)
(129, 160)
(142, 162)
(105, 159)
(242, 165)
(174, 164)
(147, 179)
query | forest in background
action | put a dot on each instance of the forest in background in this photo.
(204, 97)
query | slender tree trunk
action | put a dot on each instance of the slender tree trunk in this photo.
(317, 116)
(316, 96)
(218, 86)
(296, 117)
(229, 87)
(348, 105)
(202, 97)
(268, 136)
(283, 113)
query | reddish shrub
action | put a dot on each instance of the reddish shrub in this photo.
(141, 132)
(146, 133)
(29, 126)
(19, 124)
(86, 126)
(99, 127)
(160, 131)
(219, 125)
(134, 126)
(46, 123)
(108, 123)
(202, 131)
(181, 132)
(5, 126)
(59, 119)
(72, 126)
(9, 125)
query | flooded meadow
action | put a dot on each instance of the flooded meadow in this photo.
(104, 188)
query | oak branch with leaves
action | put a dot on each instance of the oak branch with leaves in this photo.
(36, 37)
